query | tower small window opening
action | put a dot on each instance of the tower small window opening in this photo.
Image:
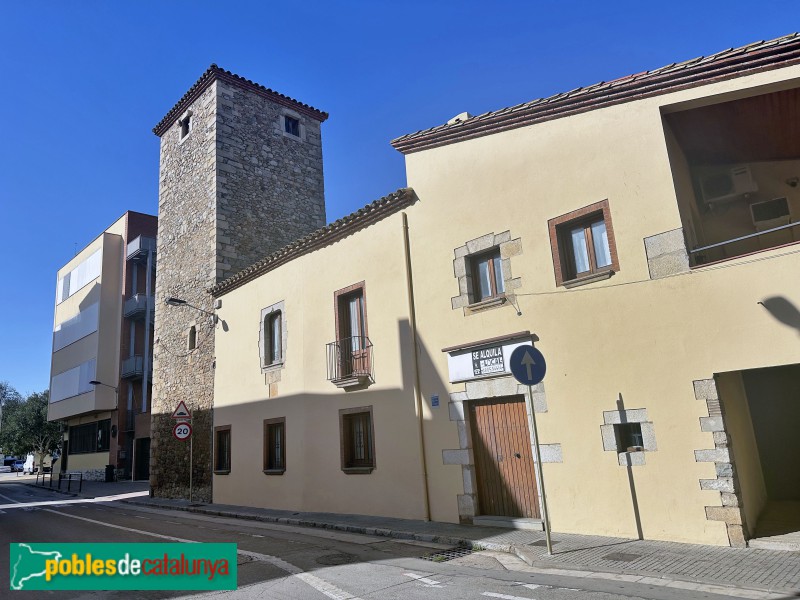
(191, 342)
(291, 125)
(629, 437)
(186, 126)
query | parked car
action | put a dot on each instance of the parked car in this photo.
(18, 465)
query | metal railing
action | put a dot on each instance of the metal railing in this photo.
(349, 358)
(133, 367)
(136, 305)
(138, 248)
(744, 237)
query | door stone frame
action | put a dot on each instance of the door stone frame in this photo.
(731, 512)
(486, 389)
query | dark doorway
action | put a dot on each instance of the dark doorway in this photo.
(142, 459)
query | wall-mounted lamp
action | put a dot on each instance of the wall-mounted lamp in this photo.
(793, 181)
(172, 301)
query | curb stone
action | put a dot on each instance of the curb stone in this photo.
(520, 551)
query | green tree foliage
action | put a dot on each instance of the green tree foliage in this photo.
(25, 427)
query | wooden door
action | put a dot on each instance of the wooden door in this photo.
(504, 465)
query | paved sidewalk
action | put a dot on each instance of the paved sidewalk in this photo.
(745, 573)
(89, 489)
(579, 555)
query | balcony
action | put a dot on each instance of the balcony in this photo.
(350, 362)
(133, 367)
(136, 306)
(139, 249)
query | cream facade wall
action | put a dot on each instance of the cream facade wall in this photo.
(631, 338)
(103, 344)
(244, 397)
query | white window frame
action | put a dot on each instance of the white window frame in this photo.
(264, 341)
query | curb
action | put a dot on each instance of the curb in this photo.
(54, 490)
(520, 551)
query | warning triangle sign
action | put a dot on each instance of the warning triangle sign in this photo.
(182, 412)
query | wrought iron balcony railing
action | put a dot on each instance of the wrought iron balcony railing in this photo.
(350, 361)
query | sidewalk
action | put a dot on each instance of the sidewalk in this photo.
(89, 489)
(667, 564)
(579, 555)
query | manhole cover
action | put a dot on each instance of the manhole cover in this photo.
(621, 556)
(543, 543)
(445, 555)
(333, 560)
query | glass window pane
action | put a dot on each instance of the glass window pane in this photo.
(579, 251)
(600, 239)
(500, 285)
(484, 282)
(275, 337)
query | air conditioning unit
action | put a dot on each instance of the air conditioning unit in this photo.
(727, 185)
(770, 213)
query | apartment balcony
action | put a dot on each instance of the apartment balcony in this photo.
(136, 306)
(140, 248)
(133, 367)
(350, 362)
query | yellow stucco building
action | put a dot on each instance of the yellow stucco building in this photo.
(640, 233)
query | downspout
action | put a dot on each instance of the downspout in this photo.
(415, 348)
(147, 316)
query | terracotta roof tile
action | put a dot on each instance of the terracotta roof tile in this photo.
(733, 62)
(371, 213)
(214, 73)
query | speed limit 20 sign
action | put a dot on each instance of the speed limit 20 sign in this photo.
(182, 431)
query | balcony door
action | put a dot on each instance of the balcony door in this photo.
(351, 332)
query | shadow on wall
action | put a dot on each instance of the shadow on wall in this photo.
(783, 310)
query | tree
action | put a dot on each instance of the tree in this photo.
(10, 400)
(26, 428)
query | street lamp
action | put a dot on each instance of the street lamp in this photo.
(172, 301)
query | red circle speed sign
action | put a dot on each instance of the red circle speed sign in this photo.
(182, 431)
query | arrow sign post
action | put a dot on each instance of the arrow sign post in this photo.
(528, 367)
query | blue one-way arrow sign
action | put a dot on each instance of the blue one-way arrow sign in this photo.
(527, 365)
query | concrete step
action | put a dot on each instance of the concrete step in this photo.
(509, 522)
(785, 543)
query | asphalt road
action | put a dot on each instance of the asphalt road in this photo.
(285, 563)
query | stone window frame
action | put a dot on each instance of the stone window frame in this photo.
(609, 432)
(272, 370)
(344, 415)
(221, 429)
(462, 271)
(288, 112)
(185, 118)
(556, 228)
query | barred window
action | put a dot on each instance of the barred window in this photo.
(275, 446)
(91, 437)
(222, 449)
(357, 439)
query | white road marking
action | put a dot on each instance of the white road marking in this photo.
(17, 504)
(425, 580)
(504, 596)
(532, 586)
(322, 586)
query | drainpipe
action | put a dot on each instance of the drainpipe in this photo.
(417, 386)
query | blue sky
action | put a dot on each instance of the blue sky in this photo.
(83, 84)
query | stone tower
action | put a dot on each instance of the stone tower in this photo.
(240, 176)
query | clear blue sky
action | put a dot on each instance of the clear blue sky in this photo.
(83, 84)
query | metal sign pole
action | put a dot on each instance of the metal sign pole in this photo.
(540, 475)
(190, 468)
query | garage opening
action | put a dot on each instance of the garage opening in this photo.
(762, 419)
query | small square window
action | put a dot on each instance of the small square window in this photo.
(583, 245)
(358, 451)
(291, 125)
(487, 275)
(185, 124)
(275, 446)
(629, 437)
(222, 449)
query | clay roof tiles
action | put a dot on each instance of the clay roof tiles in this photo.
(347, 225)
(214, 73)
(733, 62)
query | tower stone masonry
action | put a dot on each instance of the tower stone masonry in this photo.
(240, 176)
